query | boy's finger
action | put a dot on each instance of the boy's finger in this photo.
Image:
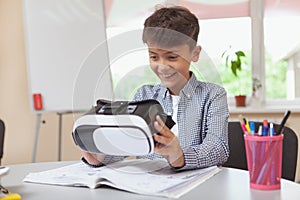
(160, 121)
(91, 158)
(160, 126)
(164, 132)
(160, 139)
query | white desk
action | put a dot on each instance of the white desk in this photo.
(229, 184)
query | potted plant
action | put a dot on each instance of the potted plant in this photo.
(233, 60)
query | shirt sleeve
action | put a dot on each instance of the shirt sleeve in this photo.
(214, 149)
(111, 159)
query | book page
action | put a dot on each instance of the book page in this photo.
(78, 174)
(155, 177)
(147, 177)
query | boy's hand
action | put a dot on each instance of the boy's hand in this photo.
(92, 158)
(167, 144)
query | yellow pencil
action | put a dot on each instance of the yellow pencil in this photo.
(247, 125)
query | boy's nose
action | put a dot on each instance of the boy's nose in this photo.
(163, 68)
(162, 63)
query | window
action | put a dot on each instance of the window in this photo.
(217, 36)
(271, 44)
(128, 55)
(282, 49)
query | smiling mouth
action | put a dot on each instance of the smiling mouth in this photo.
(167, 75)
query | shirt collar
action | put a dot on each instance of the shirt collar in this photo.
(190, 86)
(163, 91)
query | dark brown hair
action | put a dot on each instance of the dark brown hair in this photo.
(171, 26)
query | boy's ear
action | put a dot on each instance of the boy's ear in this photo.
(196, 53)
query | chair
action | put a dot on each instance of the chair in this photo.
(2, 131)
(237, 158)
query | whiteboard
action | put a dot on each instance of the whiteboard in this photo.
(66, 54)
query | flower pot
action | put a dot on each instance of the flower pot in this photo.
(240, 100)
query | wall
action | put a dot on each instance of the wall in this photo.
(14, 102)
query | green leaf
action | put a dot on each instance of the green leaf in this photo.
(234, 67)
(223, 54)
(233, 61)
(240, 54)
(226, 62)
(239, 64)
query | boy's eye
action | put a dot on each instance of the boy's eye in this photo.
(172, 57)
(153, 57)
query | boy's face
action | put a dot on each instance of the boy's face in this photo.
(172, 65)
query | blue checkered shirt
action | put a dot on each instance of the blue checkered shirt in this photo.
(202, 121)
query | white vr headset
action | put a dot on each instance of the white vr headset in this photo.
(119, 128)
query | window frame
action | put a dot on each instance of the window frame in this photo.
(258, 66)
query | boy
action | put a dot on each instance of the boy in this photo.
(200, 137)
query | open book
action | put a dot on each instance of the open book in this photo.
(142, 176)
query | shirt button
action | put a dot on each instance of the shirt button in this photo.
(188, 95)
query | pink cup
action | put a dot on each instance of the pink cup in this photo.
(264, 160)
